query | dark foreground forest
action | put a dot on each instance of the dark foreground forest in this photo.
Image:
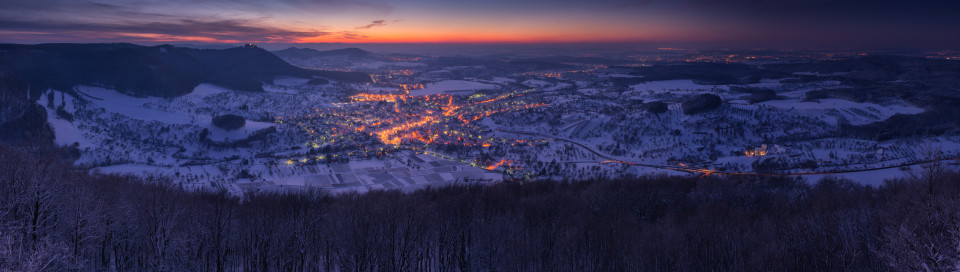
(58, 219)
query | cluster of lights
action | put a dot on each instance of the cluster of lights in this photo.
(498, 164)
(395, 120)
(756, 152)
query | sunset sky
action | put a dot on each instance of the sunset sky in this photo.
(932, 22)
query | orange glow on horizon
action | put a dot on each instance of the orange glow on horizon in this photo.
(506, 34)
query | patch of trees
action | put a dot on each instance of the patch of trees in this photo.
(761, 96)
(229, 121)
(756, 95)
(63, 114)
(24, 122)
(700, 103)
(21, 119)
(55, 219)
(655, 107)
(258, 135)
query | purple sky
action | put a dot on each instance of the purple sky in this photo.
(743, 22)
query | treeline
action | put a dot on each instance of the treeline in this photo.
(21, 119)
(53, 218)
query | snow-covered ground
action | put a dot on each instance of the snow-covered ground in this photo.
(129, 106)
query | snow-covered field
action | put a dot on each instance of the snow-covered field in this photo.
(129, 106)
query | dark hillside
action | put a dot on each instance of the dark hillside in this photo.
(163, 71)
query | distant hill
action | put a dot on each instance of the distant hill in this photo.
(346, 58)
(306, 53)
(163, 71)
(706, 73)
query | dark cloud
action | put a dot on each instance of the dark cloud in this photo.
(85, 6)
(72, 10)
(350, 35)
(119, 20)
(222, 30)
(373, 24)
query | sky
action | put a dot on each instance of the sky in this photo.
(746, 22)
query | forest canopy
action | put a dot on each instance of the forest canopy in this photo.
(55, 219)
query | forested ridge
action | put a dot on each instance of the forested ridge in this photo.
(54, 218)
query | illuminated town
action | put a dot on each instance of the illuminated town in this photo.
(376, 121)
(383, 123)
